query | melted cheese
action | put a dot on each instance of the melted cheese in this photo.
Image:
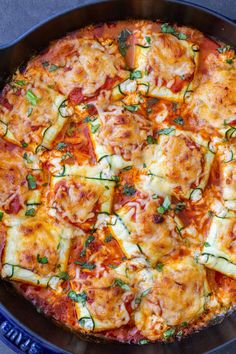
(219, 249)
(35, 251)
(166, 60)
(215, 99)
(175, 164)
(183, 280)
(228, 175)
(136, 231)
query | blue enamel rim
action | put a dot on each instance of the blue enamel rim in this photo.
(13, 333)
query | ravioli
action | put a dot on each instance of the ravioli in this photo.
(179, 164)
(36, 251)
(168, 65)
(117, 173)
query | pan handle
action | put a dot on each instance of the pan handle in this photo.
(20, 340)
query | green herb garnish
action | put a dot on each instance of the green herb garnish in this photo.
(1, 215)
(63, 276)
(165, 206)
(82, 297)
(61, 146)
(20, 82)
(143, 341)
(169, 333)
(179, 120)
(85, 265)
(135, 75)
(179, 207)
(166, 28)
(89, 240)
(159, 267)
(122, 38)
(109, 238)
(224, 49)
(53, 67)
(132, 108)
(31, 182)
(42, 260)
(121, 284)
(30, 212)
(24, 144)
(31, 97)
(128, 189)
(94, 128)
(165, 131)
(151, 140)
(30, 110)
(206, 244)
(148, 39)
(229, 61)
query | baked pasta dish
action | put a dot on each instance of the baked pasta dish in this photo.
(118, 181)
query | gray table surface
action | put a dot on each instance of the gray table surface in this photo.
(17, 16)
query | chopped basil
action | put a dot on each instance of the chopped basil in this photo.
(115, 178)
(179, 207)
(109, 238)
(30, 110)
(30, 212)
(87, 119)
(165, 131)
(169, 333)
(121, 284)
(206, 244)
(148, 39)
(166, 28)
(94, 128)
(61, 146)
(128, 189)
(138, 299)
(182, 36)
(82, 297)
(179, 120)
(112, 266)
(31, 182)
(229, 61)
(42, 260)
(127, 168)
(151, 140)
(224, 49)
(24, 144)
(132, 108)
(45, 64)
(85, 265)
(89, 240)
(1, 215)
(26, 157)
(165, 205)
(136, 75)
(184, 324)
(174, 106)
(143, 341)
(31, 97)
(63, 276)
(159, 267)
(68, 154)
(53, 67)
(122, 38)
(20, 82)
